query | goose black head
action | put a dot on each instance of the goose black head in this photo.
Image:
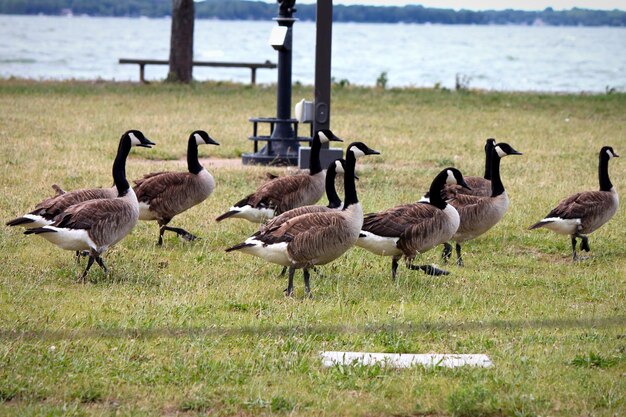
(503, 149)
(203, 138)
(138, 139)
(489, 144)
(455, 177)
(326, 135)
(360, 149)
(608, 150)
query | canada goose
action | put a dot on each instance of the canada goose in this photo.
(163, 195)
(409, 229)
(48, 209)
(95, 225)
(582, 213)
(313, 238)
(285, 193)
(334, 202)
(479, 214)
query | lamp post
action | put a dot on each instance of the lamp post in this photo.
(282, 147)
(285, 22)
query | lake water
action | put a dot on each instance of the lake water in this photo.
(519, 58)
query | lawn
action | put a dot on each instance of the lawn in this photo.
(187, 329)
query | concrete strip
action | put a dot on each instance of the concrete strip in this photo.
(405, 360)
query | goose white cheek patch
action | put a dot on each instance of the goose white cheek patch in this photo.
(451, 178)
(134, 140)
(323, 137)
(357, 152)
(199, 140)
(339, 168)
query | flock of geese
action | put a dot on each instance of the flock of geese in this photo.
(294, 232)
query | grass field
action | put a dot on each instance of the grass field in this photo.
(186, 329)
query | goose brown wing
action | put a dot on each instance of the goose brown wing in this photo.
(395, 221)
(53, 206)
(312, 237)
(582, 204)
(304, 225)
(281, 193)
(167, 193)
(152, 186)
(423, 235)
(290, 214)
(90, 215)
(468, 205)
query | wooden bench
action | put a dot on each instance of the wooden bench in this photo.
(252, 65)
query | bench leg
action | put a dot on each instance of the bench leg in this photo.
(253, 76)
(142, 78)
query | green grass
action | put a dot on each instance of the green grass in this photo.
(187, 329)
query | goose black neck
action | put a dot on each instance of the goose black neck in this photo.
(603, 173)
(193, 165)
(331, 192)
(315, 165)
(119, 167)
(497, 187)
(488, 158)
(349, 183)
(435, 190)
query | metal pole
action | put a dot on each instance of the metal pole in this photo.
(283, 103)
(323, 52)
(283, 146)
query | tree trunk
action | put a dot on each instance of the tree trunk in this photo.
(181, 43)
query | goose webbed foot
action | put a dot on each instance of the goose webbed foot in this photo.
(189, 237)
(428, 269)
(446, 253)
(182, 233)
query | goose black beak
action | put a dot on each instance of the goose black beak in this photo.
(146, 143)
(335, 139)
(371, 152)
(464, 185)
(212, 142)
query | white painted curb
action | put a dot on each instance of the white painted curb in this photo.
(404, 360)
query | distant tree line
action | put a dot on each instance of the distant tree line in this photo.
(255, 10)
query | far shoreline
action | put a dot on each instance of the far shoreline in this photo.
(17, 81)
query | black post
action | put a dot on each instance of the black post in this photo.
(323, 53)
(323, 49)
(284, 130)
(282, 147)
